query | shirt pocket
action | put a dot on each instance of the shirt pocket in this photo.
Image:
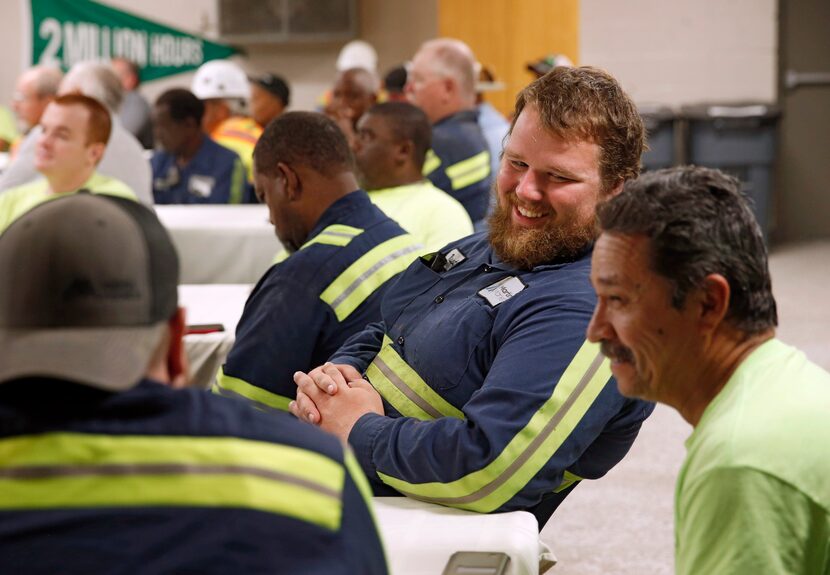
(451, 343)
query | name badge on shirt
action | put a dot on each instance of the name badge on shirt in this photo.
(201, 185)
(502, 290)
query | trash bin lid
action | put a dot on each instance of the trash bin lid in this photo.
(716, 110)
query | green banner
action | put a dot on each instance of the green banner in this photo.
(65, 32)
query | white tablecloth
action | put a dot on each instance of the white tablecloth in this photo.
(221, 244)
(420, 537)
(209, 304)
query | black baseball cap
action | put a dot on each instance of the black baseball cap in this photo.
(274, 84)
(87, 285)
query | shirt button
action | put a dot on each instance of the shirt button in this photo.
(487, 268)
(438, 299)
(400, 340)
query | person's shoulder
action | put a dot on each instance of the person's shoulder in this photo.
(108, 185)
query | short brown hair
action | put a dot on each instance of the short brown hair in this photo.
(99, 125)
(588, 103)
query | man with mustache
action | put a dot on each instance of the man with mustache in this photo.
(686, 313)
(484, 393)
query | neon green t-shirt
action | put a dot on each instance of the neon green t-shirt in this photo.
(17, 201)
(431, 215)
(753, 496)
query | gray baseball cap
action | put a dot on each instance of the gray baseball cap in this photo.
(87, 285)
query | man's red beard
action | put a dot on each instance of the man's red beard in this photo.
(526, 248)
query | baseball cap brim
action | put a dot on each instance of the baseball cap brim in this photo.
(113, 359)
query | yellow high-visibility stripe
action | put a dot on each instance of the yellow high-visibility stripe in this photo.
(404, 389)
(568, 479)
(226, 383)
(237, 182)
(368, 273)
(469, 171)
(486, 489)
(431, 163)
(357, 475)
(78, 470)
(334, 235)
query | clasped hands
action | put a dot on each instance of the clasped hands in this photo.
(333, 397)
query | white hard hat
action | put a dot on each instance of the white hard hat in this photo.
(220, 79)
(357, 54)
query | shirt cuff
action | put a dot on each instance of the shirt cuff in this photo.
(362, 440)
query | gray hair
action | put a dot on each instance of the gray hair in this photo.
(452, 58)
(97, 80)
(46, 79)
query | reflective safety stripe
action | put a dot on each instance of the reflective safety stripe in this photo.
(334, 235)
(227, 385)
(469, 171)
(368, 273)
(568, 479)
(487, 489)
(281, 256)
(357, 475)
(431, 163)
(404, 389)
(79, 470)
(237, 182)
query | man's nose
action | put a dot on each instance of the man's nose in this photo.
(528, 187)
(599, 328)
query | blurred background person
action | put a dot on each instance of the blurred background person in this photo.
(441, 81)
(394, 83)
(123, 157)
(33, 91)
(225, 91)
(390, 148)
(493, 125)
(73, 135)
(190, 168)
(355, 90)
(270, 96)
(135, 111)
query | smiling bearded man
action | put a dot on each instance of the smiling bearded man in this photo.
(482, 392)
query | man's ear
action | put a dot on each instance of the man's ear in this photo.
(293, 183)
(96, 152)
(177, 364)
(713, 301)
(403, 151)
(614, 191)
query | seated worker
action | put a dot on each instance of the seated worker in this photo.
(686, 314)
(344, 251)
(191, 168)
(355, 91)
(270, 96)
(73, 135)
(441, 81)
(104, 466)
(123, 158)
(484, 393)
(224, 89)
(34, 89)
(390, 148)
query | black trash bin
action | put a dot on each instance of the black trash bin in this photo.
(660, 128)
(740, 140)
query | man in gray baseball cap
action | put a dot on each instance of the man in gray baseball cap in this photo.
(104, 467)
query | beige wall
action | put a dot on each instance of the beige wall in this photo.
(684, 51)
